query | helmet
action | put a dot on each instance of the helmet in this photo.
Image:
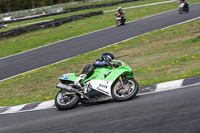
(107, 57)
(119, 8)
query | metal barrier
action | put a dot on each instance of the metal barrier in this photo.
(46, 9)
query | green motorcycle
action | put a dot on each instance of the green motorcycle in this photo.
(115, 81)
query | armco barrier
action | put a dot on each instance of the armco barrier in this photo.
(49, 9)
(75, 9)
(49, 24)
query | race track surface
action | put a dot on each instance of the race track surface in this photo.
(174, 111)
(69, 48)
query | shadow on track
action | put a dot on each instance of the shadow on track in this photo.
(83, 105)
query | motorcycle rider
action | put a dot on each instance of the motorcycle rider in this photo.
(184, 1)
(121, 12)
(105, 60)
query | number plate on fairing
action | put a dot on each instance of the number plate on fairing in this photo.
(64, 76)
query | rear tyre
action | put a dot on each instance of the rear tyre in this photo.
(64, 101)
(123, 94)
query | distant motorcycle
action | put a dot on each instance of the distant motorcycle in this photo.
(3, 26)
(183, 7)
(120, 20)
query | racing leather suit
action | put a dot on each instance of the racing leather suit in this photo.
(88, 69)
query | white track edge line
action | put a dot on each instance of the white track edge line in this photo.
(101, 48)
(169, 89)
(88, 33)
(137, 95)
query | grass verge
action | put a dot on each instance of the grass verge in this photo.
(158, 56)
(13, 45)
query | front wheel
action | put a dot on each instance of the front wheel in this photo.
(123, 93)
(64, 101)
(118, 23)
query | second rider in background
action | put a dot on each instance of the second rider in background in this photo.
(121, 12)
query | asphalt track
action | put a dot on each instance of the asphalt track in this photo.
(175, 111)
(27, 61)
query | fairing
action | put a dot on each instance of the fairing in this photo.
(102, 78)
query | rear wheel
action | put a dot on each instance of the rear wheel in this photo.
(126, 92)
(64, 100)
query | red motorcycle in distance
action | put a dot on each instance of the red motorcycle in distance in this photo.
(120, 20)
(183, 7)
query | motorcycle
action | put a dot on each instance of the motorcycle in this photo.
(183, 7)
(120, 20)
(115, 81)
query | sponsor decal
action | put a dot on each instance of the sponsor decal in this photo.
(104, 86)
(65, 76)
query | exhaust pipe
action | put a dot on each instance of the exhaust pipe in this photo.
(70, 88)
(63, 86)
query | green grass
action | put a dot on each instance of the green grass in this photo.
(159, 56)
(13, 45)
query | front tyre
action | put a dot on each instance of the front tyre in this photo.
(123, 93)
(64, 101)
(118, 23)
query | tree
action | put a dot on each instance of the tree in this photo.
(7, 4)
(33, 3)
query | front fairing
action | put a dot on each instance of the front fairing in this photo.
(103, 78)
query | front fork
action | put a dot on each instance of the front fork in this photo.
(123, 80)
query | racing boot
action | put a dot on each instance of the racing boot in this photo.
(80, 78)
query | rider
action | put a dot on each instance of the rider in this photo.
(184, 1)
(105, 60)
(121, 12)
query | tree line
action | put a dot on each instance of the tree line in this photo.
(17, 5)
